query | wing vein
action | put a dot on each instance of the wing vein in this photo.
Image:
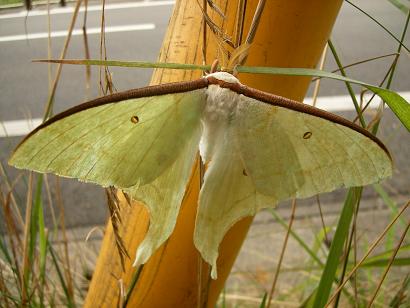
(148, 149)
(59, 135)
(98, 126)
(363, 150)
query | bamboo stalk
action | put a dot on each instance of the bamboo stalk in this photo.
(290, 34)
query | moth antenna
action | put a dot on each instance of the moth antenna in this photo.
(238, 57)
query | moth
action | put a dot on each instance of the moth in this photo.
(259, 149)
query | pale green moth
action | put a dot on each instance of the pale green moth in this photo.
(260, 149)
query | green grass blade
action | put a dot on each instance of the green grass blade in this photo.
(263, 303)
(394, 66)
(129, 64)
(70, 303)
(396, 103)
(224, 298)
(320, 238)
(348, 248)
(14, 299)
(35, 217)
(385, 255)
(400, 299)
(385, 262)
(389, 202)
(348, 85)
(379, 24)
(336, 249)
(390, 237)
(43, 242)
(297, 238)
(402, 7)
(310, 300)
(5, 252)
(133, 283)
(9, 260)
(32, 237)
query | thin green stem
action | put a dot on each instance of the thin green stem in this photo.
(403, 35)
(379, 24)
(393, 69)
(369, 251)
(133, 283)
(348, 249)
(297, 238)
(388, 266)
(285, 243)
(349, 87)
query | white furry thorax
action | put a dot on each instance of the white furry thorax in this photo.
(220, 106)
(220, 101)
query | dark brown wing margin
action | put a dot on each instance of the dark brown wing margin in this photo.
(163, 89)
(178, 87)
(280, 101)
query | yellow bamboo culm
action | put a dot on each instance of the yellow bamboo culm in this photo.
(290, 34)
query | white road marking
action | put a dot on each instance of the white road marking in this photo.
(344, 102)
(97, 30)
(18, 127)
(329, 103)
(91, 8)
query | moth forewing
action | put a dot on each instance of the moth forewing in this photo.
(259, 148)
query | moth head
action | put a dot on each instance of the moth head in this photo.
(224, 76)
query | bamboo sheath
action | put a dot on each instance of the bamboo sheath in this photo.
(290, 34)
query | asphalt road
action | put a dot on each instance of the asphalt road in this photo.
(24, 85)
